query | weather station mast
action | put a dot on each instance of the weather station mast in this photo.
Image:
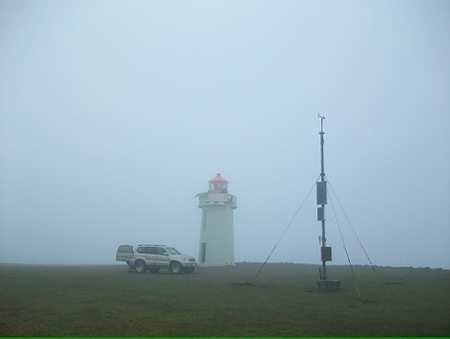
(325, 251)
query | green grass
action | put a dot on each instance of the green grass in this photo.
(106, 300)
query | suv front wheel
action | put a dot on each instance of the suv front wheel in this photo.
(175, 267)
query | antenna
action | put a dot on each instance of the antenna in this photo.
(325, 251)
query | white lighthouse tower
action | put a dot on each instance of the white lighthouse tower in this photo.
(217, 230)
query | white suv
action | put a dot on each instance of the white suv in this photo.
(155, 257)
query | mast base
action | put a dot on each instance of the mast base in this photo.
(326, 285)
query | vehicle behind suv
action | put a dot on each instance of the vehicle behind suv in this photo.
(154, 257)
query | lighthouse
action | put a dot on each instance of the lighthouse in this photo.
(216, 231)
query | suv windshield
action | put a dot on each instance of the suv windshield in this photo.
(172, 250)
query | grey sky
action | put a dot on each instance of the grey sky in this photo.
(114, 114)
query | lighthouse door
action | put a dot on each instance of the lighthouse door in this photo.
(203, 252)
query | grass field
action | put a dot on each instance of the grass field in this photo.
(106, 300)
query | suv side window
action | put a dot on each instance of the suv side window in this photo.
(140, 250)
(125, 248)
(152, 250)
(162, 251)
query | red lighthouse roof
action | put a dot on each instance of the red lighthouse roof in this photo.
(217, 179)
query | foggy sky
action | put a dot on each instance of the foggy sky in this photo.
(114, 114)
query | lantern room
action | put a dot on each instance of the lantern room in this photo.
(218, 184)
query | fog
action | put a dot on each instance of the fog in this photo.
(115, 114)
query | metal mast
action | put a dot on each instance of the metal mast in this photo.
(323, 275)
(325, 251)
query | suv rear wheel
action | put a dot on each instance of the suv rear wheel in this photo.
(140, 266)
(175, 267)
